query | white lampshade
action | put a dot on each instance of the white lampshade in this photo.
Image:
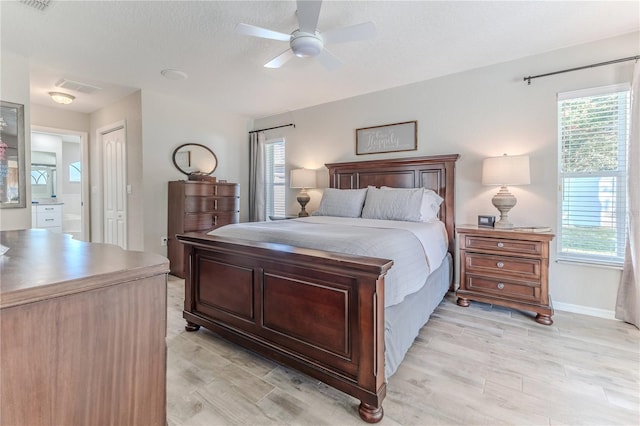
(303, 178)
(506, 170)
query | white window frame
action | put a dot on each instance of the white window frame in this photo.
(620, 188)
(273, 189)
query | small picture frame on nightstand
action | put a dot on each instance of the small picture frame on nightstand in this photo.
(486, 221)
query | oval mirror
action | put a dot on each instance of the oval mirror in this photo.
(192, 158)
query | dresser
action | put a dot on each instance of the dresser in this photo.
(82, 336)
(505, 267)
(47, 216)
(198, 206)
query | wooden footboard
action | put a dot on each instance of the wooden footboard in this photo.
(319, 312)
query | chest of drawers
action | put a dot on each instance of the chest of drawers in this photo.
(505, 267)
(198, 206)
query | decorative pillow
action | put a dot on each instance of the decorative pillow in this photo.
(393, 204)
(341, 202)
(430, 206)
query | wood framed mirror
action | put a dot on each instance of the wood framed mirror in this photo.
(194, 158)
(13, 189)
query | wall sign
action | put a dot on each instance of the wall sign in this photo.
(387, 138)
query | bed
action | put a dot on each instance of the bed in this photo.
(322, 311)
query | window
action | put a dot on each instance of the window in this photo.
(75, 172)
(275, 178)
(593, 128)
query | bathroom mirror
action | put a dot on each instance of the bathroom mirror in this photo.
(13, 191)
(43, 175)
(192, 158)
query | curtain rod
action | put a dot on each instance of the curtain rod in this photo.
(271, 128)
(615, 61)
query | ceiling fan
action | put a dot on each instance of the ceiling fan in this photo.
(307, 41)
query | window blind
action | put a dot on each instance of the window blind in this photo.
(275, 177)
(593, 128)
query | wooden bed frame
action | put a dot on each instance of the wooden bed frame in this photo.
(319, 312)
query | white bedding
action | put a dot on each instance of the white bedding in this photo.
(415, 247)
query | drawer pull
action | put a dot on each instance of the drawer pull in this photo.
(500, 245)
(215, 190)
(500, 286)
(500, 265)
(49, 220)
(215, 220)
(215, 204)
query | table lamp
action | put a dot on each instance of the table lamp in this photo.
(303, 179)
(503, 171)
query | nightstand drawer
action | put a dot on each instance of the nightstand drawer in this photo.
(494, 286)
(497, 265)
(503, 245)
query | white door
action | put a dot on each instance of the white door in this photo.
(114, 181)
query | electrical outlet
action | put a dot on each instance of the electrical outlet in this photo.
(163, 241)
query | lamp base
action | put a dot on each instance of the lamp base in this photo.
(303, 198)
(503, 201)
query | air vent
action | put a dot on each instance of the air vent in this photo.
(77, 86)
(37, 4)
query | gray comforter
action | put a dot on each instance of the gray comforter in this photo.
(383, 240)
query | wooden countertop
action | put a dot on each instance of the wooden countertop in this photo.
(40, 265)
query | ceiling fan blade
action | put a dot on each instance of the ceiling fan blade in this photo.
(308, 13)
(280, 60)
(329, 60)
(252, 30)
(357, 32)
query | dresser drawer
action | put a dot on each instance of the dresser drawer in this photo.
(503, 245)
(498, 265)
(209, 190)
(211, 204)
(194, 222)
(506, 288)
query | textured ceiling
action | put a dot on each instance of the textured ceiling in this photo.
(122, 46)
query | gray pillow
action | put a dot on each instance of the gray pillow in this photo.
(341, 202)
(390, 204)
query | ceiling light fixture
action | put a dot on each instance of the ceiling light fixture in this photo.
(174, 74)
(61, 98)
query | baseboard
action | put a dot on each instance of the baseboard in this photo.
(585, 310)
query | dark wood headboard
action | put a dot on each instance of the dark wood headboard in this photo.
(436, 173)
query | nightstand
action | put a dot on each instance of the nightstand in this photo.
(505, 267)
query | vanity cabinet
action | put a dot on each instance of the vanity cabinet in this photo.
(47, 216)
(198, 206)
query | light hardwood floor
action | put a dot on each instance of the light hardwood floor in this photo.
(481, 365)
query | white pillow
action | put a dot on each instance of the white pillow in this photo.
(393, 204)
(430, 206)
(341, 202)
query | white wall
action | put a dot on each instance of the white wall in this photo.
(14, 87)
(168, 123)
(479, 113)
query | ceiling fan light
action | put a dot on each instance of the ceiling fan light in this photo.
(306, 45)
(62, 98)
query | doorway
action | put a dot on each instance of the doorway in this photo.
(59, 173)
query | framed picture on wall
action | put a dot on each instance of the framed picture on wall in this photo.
(387, 138)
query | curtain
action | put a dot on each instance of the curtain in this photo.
(627, 308)
(257, 207)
